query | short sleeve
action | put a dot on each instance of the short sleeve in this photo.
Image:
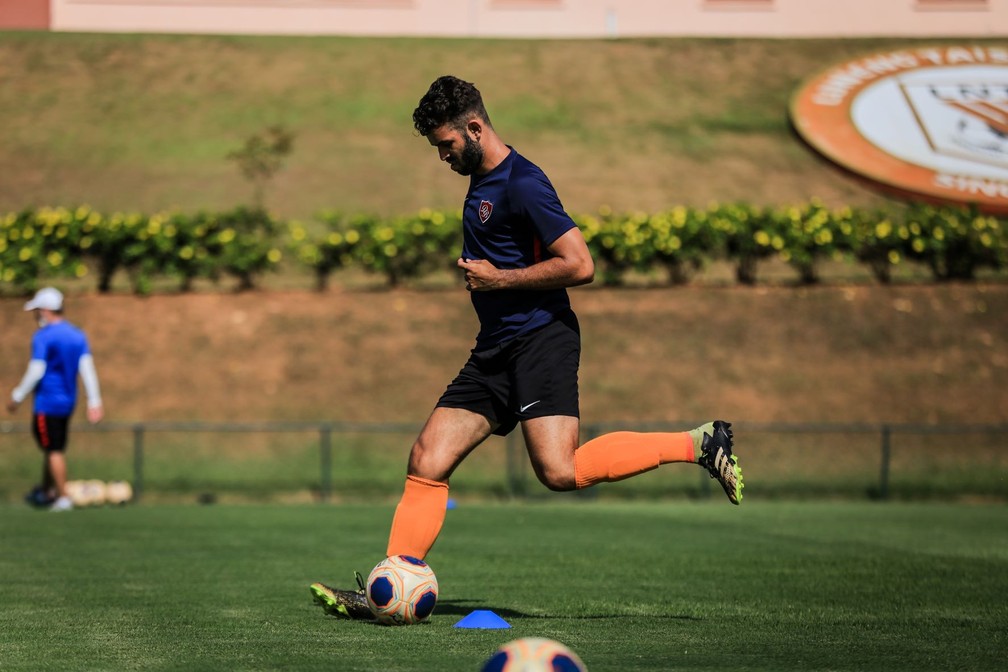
(535, 198)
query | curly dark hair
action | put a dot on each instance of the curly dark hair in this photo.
(449, 100)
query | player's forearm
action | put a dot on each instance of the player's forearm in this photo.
(36, 369)
(554, 273)
(89, 376)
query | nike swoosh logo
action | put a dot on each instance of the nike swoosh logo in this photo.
(524, 408)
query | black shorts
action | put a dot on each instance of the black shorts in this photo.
(50, 432)
(531, 376)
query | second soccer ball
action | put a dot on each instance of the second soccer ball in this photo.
(534, 654)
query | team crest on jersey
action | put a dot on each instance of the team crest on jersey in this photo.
(486, 207)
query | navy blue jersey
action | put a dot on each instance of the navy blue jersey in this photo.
(510, 216)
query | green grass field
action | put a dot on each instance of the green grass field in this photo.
(146, 122)
(781, 586)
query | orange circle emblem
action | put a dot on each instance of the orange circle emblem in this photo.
(929, 123)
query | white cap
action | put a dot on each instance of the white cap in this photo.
(47, 298)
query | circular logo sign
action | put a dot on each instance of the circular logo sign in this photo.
(928, 123)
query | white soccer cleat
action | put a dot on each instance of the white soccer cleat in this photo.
(62, 504)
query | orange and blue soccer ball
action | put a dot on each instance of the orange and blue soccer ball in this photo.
(534, 654)
(402, 590)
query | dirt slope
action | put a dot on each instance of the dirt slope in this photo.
(900, 354)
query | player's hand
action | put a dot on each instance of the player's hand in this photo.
(95, 414)
(480, 274)
(12, 406)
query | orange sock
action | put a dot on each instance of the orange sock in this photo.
(418, 517)
(619, 455)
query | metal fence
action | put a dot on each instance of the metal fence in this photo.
(880, 461)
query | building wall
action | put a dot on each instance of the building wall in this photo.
(24, 14)
(536, 18)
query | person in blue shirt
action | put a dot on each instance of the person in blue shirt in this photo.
(520, 253)
(59, 353)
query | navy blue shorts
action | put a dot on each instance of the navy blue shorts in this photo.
(531, 376)
(50, 432)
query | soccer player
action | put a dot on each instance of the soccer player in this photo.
(521, 251)
(59, 352)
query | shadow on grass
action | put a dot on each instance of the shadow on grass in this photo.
(465, 607)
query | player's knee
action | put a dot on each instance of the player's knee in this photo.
(428, 463)
(418, 459)
(557, 480)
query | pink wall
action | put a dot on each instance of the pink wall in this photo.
(540, 18)
(24, 14)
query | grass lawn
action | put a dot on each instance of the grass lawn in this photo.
(146, 122)
(641, 586)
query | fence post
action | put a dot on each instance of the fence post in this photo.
(138, 461)
(884, 469)
(515, 475)
(325, 459)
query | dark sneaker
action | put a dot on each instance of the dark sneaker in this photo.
(39, 497)
(343, 603)
(716, 457)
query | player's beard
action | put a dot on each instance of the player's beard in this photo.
(471, 157)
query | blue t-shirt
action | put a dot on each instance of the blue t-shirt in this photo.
(60, 346)
(510, 216)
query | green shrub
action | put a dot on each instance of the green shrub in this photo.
(875, 241)
(748, 234)
(955, 242)
(330, 249)
(49, 243)
(242, 243)
(618, 243)
(42, 244)
(408, 247)
(810, 234)
(683, 242)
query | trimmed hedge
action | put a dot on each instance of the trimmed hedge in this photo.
(39, 246)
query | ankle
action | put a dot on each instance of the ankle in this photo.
(697, 436)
